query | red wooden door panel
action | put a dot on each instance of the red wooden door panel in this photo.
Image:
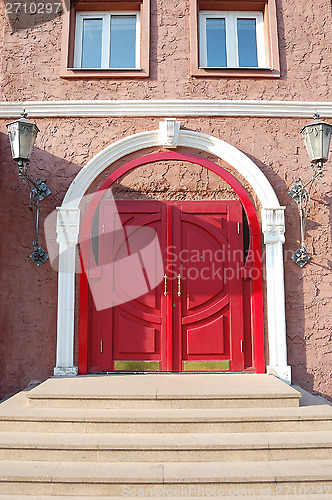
(129, 325)
(208, 255)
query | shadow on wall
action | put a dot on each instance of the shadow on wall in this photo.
(23, 16)
(328, 201)
(297, 342)
(321, 263)
(281, 39)
(28, 293)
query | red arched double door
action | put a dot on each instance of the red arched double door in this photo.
(165, 286)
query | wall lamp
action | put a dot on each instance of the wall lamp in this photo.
(317, 137)
(22, 135)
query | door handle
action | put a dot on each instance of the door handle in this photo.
(165, 285)
(179, 284)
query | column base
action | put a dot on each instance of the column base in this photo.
(282, 372)
(65, 371)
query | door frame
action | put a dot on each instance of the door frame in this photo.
(233, 211)
(253, 262)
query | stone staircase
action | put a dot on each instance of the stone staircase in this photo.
(164, 436)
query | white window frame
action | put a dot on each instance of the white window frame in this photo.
(232, 49)
(106, 38)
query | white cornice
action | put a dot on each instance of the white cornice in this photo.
(166, 108)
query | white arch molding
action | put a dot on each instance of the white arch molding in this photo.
(170, 135)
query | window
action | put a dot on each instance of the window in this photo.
(232, 40)
(112, 43)
(107, 40)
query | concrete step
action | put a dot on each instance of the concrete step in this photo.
(238, 493)
(15, 417)
(214, 447)
(131, 478)
(189, 390)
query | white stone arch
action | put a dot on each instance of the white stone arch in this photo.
(170, 135)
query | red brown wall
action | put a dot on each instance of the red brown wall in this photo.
(31, 61)
(29, 70)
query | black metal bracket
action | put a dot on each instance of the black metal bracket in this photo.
(301, 195)
(38, 191)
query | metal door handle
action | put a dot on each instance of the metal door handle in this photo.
(179, 284)
(165, 285)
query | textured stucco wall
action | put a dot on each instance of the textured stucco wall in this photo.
(30, 70)
(172, 180)
(31, 61)
(28, 331)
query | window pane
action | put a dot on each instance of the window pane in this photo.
(247, 42)
(91, 43)
(123, 42)
(216, 42)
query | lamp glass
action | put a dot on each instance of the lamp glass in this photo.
(317, 138)
(22, 136)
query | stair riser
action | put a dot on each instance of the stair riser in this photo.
(202, 455)
(256, 497)
(162, 403)
(239, 489)
(166, 427)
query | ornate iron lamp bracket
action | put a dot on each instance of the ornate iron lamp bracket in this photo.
(301, 194)
(38, 191)
(317, 138)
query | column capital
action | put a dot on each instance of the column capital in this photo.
(68, 225)
(273, 224)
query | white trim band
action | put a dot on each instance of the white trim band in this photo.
(166, 108)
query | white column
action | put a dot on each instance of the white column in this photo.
(273, 226)
(67, 237)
